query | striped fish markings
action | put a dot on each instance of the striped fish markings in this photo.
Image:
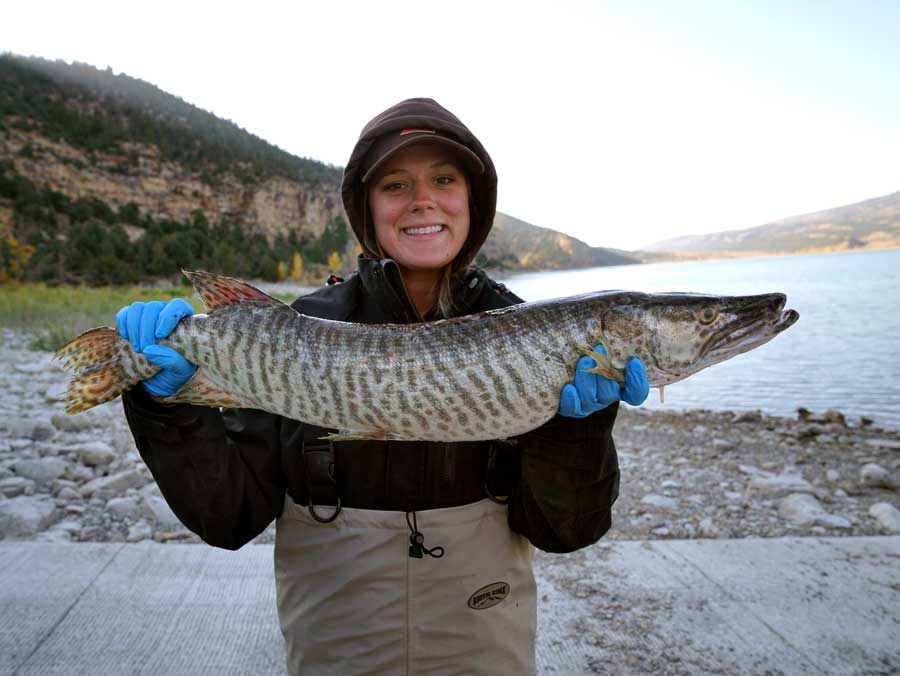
(489, 375)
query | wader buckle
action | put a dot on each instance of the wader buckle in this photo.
(318, 459)
(328, 519)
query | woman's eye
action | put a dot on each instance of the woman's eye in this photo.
(392, 187)
(445, 180)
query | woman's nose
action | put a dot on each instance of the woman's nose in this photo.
(422, 196)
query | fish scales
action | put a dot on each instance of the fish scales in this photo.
(491, 375)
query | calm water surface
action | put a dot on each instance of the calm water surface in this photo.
(843, 353)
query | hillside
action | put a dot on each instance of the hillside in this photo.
(517, 245)
(872, 224)
(105, 178)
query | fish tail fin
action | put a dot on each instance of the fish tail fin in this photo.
(91, 347)
(103, 367)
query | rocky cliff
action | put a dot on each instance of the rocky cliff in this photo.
(164, 189)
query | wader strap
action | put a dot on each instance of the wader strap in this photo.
(318, 459)
(489, 476)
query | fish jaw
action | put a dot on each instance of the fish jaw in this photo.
(756, 324)
(676, 335)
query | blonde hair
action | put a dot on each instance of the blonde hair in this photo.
(446, 305)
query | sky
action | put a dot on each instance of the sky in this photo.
(617, 122)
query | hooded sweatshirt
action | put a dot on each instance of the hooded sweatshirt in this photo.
(426, 114)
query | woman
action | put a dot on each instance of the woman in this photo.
(392, 557)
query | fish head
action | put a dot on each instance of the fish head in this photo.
(678, 334)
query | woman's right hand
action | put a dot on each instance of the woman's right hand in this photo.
(143, 324)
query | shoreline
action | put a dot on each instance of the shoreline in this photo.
(684, 474)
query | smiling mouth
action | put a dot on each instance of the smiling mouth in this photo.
(423, 230)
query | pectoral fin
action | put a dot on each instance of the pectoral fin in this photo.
(604, 366)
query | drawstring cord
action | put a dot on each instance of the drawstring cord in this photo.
(417, 548)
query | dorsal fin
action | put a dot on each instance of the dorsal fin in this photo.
(217, 291)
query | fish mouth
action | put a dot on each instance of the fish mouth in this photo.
(755, 325)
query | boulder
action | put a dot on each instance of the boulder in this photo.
(157, 509)
(802, 509)
(708, 528)
(139, 531)
(778, 485)
(78, 473)
(95, 453)
(887, 515)
(16, 485)
(68, 494)
(833, 416)
(660, 501)
(36, 429)
(73, 423)
(875, 476)
(34, 367)
(114, 483)
(127, 507)
(890, 444)
(40, 470)
(23, 516)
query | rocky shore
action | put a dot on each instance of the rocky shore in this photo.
(696, 474)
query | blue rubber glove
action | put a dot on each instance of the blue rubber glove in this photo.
(143, 324)
(591, 392)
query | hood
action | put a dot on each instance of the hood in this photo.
(420, 114)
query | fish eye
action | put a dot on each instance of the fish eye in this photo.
(707, 315)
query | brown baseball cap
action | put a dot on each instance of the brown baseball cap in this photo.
(391, 142)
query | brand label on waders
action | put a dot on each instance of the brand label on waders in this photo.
(489, 596)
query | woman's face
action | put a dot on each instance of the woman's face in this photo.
(419, 203)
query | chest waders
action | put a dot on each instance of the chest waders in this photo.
(363, 593)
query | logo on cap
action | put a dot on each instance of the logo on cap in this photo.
(404, 132)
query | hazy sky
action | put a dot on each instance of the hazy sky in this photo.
(620, 123)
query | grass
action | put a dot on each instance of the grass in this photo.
(52, 316)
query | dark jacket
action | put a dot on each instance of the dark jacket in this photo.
(225, 474)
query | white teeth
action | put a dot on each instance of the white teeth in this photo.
(424, 230)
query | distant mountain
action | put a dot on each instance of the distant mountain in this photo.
(517, 245)
(872, 224)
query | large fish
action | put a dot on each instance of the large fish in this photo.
(489, 375)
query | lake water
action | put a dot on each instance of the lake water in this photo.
(843, 353)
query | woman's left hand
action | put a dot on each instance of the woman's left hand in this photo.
(591, 392)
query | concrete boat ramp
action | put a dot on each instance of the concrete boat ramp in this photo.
(750, 606)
